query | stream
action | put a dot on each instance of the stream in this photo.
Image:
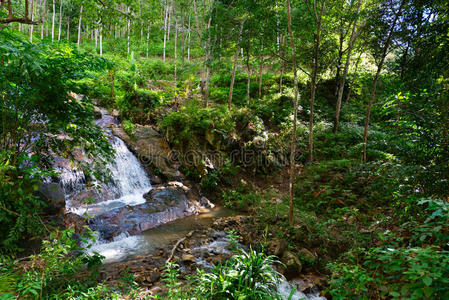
(130, 224)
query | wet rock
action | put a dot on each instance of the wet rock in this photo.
(293, 266)
(187, 258)
(53, 194)
(74, 221)
(97, 112)
(278, 246)
(115, 113)
(163, 205)
(307, 255)
(107, 121)
(152, 150)
(155, 180)
(206, 203)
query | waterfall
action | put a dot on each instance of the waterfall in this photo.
(129, 183)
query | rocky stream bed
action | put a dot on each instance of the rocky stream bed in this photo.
(144, 220)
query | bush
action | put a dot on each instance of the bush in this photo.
(248, 275)
(54, 270)
(396, 272)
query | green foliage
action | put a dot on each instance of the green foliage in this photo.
(39, 115)
(339, 183)
(411, 273)
(129, 127)
(240, 198)
(54, 269)
(194, 120)
(247, 275)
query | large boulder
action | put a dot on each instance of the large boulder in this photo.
(292, 265)
(75, 222)
(53, 194)
(164, 204)
(152, 150)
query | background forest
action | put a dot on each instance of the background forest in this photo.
(325, 121)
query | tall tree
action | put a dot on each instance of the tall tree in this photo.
(317, 13)
(376, 77)
(341, 84)
(295, 115)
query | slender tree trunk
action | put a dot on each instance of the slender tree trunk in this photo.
(101, 40)
(345, 71)
(376, 78)
(208, 59)
(128, 28)
(68, 28)
(295, 114)
(188, 43)
(165, 31)
(60, 20)
(148, 39)
(44, 13)
(96, 38)
(341, 39)
(354, 77)
(248, 82)
(79, 26)
(183, 40)
(248, 67)
(176, 47)
(32, 19)
(281, 52)
(53, 22)
(231, 88)
(169, 21)
(259, 94)
(315, 75)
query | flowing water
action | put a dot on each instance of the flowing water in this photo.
(129, 183)
(159, 237)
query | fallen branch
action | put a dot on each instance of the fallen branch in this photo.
(174, 249)
(10, 211)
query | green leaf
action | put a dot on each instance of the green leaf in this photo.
(427, 280)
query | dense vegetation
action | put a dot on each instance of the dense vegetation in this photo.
(326, 120)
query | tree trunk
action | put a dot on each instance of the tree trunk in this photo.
(165, 31)
(60, 21)
(188, 43)
(208, 59)
(236, 55)
(79, 26)
(176, 47)
(342, 82)
(44, 13)
(295, 114)
(101, 39)
(169, 21)
(68, 28)
(259, 93)
(96, 38)
(373, 88)
(354, 76)
(53, 22)
(148, 39)
(128, 29)
(32, 19)
(318, 19)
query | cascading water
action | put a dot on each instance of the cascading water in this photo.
(129, 183)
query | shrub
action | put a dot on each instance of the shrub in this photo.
(396, 272)
(247, 275)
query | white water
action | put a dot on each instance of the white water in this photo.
(129, 183)
(285, 288)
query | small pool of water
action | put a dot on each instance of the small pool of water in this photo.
(126, 247)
